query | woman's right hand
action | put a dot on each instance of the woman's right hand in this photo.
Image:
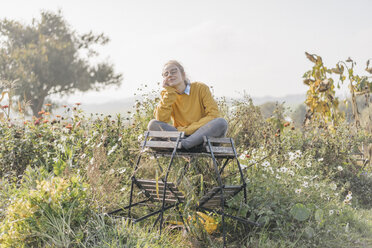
(166, 82)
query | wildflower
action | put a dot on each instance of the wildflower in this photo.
(283, 169)
(48, 104)
(298, 153)
(37, 122)
(290, 172)
(287, 124)
(298, 191)
(45, 121)
(121, 171)
(83, 156)
(331, 212)
(122, 189)
(242, 156)
(333, 186)
(277, 176)
(46, 113)
(5, 106)
(320, 159)
(65, 106)
(78, 103)
(339, 168)
(305, 184)
(266, 164)
(308, 164)
(243, 166)
(69, 126)
(248, 156)
(58, 116)
(41, 112)
(91, 161)
(292, 156)
(348, 198)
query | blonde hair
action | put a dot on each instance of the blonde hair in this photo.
(180, 67)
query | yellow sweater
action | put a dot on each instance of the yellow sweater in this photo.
(188, 112)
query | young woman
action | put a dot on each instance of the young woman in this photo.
(190, 106)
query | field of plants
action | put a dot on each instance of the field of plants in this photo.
(62, 174)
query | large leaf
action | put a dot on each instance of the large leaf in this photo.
(300, 212)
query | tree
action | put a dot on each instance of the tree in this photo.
(48, 57)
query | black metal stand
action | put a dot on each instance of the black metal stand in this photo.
(213, 201)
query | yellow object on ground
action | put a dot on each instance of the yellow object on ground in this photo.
(208, 222)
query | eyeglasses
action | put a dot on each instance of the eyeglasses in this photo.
(170, 73)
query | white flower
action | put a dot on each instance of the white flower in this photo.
(140, 137)
(277, 176)
(298, 153)
(120, 138)
(305, 184)
(122, 189)
(348, 198)
(245, 152)
(290, 172)
(283, 169)
(243, 166)
(320, 159)
(266, 164)
(83, 156)
(333, 186)
(339, 168)
(122, 170)
(331, 212)
(91, 161)
(242, 156)
(298, 191)
(292, 156)
(112, 171)
(308, 164)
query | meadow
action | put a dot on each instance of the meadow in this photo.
(62, 174)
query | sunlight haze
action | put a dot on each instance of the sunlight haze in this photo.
(255, 46)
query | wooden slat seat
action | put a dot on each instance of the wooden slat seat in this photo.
(213, 198)
(172, 194)
(219, 146)
(162, 139)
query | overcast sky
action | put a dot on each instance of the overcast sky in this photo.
(232, 45)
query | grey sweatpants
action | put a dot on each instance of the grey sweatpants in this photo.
(214, 128)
